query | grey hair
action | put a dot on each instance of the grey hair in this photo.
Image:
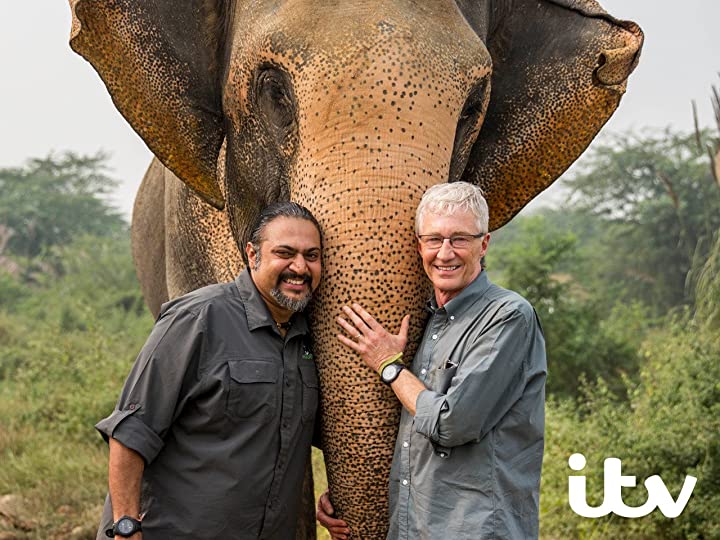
(446, 199)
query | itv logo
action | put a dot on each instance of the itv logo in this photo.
(658, 495)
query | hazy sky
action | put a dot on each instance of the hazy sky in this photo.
(52, 100)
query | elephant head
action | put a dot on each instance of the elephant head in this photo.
(353, 109)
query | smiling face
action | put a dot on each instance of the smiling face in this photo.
(451, 269)
(286, 265)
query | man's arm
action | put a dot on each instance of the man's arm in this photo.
(407, 388)
(124, 477)
(488, 382)
(147, 405)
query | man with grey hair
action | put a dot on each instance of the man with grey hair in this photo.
(212, 431)
(469, 449)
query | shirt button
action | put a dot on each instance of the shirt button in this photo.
(406, 444)
(286, 425)
(434, 336)
(423, 371)
(287, 382)
(452, 317)
(405, 482)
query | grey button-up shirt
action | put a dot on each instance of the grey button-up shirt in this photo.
(467, 465)
(222, 409)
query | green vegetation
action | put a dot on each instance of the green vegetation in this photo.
(50, 201)
(625, 278)
(71, 320)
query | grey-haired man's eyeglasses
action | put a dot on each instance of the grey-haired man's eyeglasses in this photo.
(457, 241)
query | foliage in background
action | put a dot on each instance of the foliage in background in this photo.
(669, 426)
(65, 348)
(658, 203)
(707, 294)
(71, 320)
(52, 200)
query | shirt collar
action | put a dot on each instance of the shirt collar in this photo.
(256, 310)
(465, 298)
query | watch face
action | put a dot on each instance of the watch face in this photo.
(125, 526)
(390, 372)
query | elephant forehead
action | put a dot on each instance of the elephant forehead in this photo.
(345, 41)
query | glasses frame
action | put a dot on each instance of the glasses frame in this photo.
(451, 239)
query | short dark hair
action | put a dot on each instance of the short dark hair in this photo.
(271, 213)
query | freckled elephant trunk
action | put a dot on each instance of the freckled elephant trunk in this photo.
(366, 154)
(369, 259)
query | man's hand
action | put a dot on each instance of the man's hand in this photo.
(370, 340)
(337, 528)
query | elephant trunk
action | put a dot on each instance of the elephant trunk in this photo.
(370, 257)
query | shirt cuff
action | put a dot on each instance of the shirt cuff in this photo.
(428, 407)
(131, 432)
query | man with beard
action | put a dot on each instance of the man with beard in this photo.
(212, 431)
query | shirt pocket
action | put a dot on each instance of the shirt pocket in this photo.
(252, 390)
(310, 390)
(442, 377)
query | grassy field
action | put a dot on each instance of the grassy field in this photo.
(55, 488)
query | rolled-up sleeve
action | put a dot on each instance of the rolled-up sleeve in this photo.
(151, 397)
(489, 379)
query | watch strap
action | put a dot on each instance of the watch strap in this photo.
(389, 360)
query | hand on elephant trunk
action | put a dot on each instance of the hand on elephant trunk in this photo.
(337, 528)
(370, 340)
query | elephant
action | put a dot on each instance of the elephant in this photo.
(352, 109)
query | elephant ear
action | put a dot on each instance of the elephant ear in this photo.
(559, 70)
(159, 64)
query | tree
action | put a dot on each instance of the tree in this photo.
(660, 207)
(54, 199)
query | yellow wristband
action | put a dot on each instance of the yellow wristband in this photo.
(385, 363)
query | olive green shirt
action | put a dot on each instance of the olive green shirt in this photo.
(467, 465)
(222, 408)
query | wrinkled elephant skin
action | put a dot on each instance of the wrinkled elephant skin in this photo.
(352, 109)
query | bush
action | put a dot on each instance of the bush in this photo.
(12, 291)
(669, 426)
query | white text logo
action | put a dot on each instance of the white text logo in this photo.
(658, 495)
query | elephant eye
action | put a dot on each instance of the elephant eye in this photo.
(275, 99)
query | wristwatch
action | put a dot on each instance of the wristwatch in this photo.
(391, 372)
(124, 527)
